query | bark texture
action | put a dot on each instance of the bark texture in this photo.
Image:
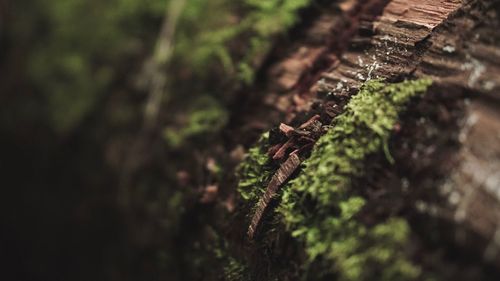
(456, 44)
(446, 180)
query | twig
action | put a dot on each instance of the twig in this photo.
(307, 134)
(154, 70)
(283, 173)
(160, 59)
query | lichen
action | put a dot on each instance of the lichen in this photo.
(319, 207)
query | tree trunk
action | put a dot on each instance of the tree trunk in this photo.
(445, 181)
(409, 188)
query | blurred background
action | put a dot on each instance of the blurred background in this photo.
(103, 105)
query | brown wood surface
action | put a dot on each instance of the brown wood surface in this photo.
(456, 43)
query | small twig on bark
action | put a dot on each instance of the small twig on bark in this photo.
(283, 173)
(282, 150)
(300, 139)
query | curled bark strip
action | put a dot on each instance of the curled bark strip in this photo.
(283, 173)
(281, 152)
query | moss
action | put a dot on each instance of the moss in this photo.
(319, 207)
(206, 116)
(77, 46)
(204, 38)
(254, 171)
(234, 270)
(221, 50)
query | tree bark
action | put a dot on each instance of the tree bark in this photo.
(446, 179)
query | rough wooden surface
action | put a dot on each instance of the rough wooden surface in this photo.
(456, 43)
(388, 48)
(320, 47)
(426, 13)
(447, 176)
(465, 54)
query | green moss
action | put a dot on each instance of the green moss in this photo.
(76, 49)
(265, 20)
(234, 270)
(204, 37)
(253, 171)
(206, 116)
(222, 49)
(319, 208)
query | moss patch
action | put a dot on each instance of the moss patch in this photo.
(248, 24)
(254, 171)
(235, 271)
(79, 49)
(205, 117)
(319, 207)
(221, 50)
